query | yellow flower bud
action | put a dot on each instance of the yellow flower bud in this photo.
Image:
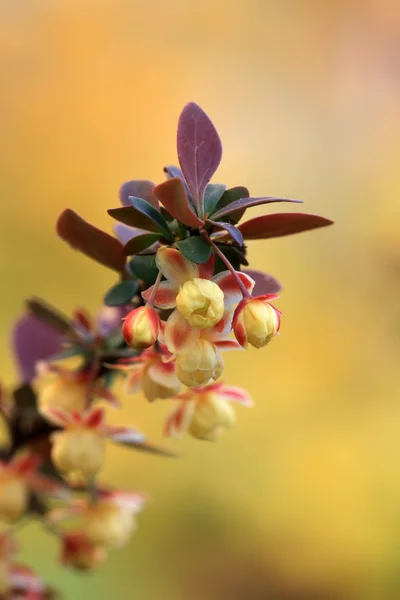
(5, 434)
(108, 524)
(13, 497)
(153, 389)
(201, 363)
(65, 393)
(141, 327)
(79, 450)
(211, 415)
(201, 302)
(256, 323)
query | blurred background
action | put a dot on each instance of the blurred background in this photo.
(301, 500)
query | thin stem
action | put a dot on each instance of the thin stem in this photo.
(150, 301)
(241, 286)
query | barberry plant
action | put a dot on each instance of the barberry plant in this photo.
(183, 296)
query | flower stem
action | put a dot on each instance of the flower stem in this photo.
(150, 301)
(225, 260)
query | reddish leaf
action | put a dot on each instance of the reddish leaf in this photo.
(97, 244)
(199, 149)
(141, 188)
(233, 231)
(280, 224)
(265, 284)
(236, 193)
(172, 195)
(245, 203)
(140, 242)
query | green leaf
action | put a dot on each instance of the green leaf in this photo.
(195, 248)
(140, 242)
(144, 267)
(121, 293)
(229, 196)
(153, 214)
(212, 196)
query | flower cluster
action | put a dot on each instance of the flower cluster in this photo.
(183, 297)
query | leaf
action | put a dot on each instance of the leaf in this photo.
(233, 231)
(144, 267)
(229, 196)
(199, 149)
(96, 244)
(212, 196)
(146, 209)
(140, 188)
(280, 224)
(195, 249)
(49, 315)
(265, 284)
(121, 293)
(172, 195)
(245, 203)
(134, 218)
(140, 242)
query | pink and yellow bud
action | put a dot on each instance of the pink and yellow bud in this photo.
(14, 495)
(109, 524)
(255, 322)
(79, 450)
(199, 364)
(201, 302)
(141, 327)
(67, 393)
(212, 414)
(79, 552)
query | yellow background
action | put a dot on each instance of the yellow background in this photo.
(303, 495)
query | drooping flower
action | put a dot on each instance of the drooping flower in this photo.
(80, 448)
(20, 477)
(79, 552)
(141, 327)
(206, 411)
(256, 321)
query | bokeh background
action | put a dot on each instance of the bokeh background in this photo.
(302, 499)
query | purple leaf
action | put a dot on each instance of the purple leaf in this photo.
(141, 188)
(280, 224)
(199, 150)
(265, 284)
(233, 231)
(173, 197)
(245, 203)
(33, 341)
(125, 233)
(97, 244)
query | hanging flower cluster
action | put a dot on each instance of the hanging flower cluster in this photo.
(183, 297)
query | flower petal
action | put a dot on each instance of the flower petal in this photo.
(26, 463)
(132, 384)
(94, 418)
(125, 435)
(206, 270)
(56, 416)
(179, 334)
(234, 394)
(163, 373)
(228, 284)
(165, 296)
(225, 345)
(179, 420)
(45, 485)
(175, 267)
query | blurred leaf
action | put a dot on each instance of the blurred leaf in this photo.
(199, 149)
(96, 244)
(146, 209)
(141, 188)
(72, 350)
(121, 293)
(245, 203)
(280, 224)
(151, 449)
(144, 267)
(195, 248)
(172, 195)
(51, 316)
(212, 196)
(233, 231)
(24, 398)
(140, 242)
(265, 284)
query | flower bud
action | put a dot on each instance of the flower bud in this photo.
(79, 450)
(79, 552)
(67, 393)
(201, 302)
(13, 497)
(154, 389)
(211, 415)
(255, 322)
(108, 524)
(201, 363)
(141, 327)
